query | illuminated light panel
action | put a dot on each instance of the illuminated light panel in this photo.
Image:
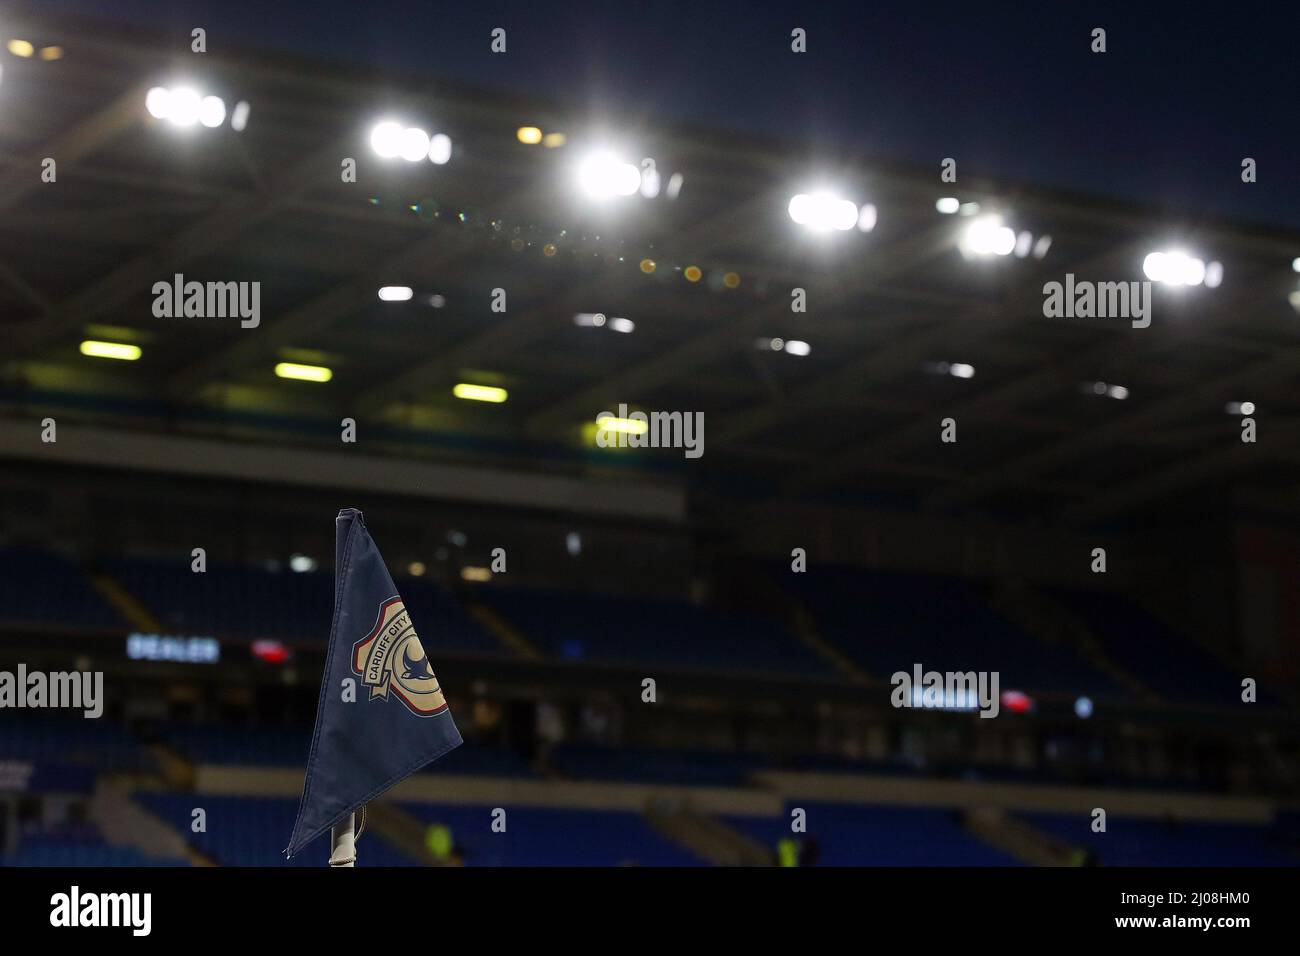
(650, 182)
(528, 135)
(867, 217)
(183, 106)
(948, 205)
(440, 149)
(1213, 275)
(303, 373)
(158, 102)
(110, 350)
(622, 426)
(413, 145)
(602, 176)
(797, 347)
(395, 293)
(212, 111)
(961, 370)
(822, 212)
(1175, 268)
(479, 393)
(626, 326)
(987, 236)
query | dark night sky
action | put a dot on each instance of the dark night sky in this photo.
(1010, 90)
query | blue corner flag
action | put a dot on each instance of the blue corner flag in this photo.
(392, 719)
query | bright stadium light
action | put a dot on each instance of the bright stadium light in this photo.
(1213, 275)
(948, 205)
(183, 106)
(158, 102)
(395, 293)
(212, 111)
(414, 145)
(479, 393)
(626, 326)
(589, 319)
(650, 182)
(472, 572)
(439, 149)
(961, 370)
(602, 175)
(987, 236)
(303, 373)
(797, 347)
(22, 48)
(301, 564)
(1174, 267)
(239, 116)
(867, 217)
(528, 135)
(110, 350)
(386, 139)
(823, 212)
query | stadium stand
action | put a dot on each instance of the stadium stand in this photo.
(593, 627)
(1169, 842)
(541, 836)
(40, 587)
(1175, 668)
(855, 835)
(940, 621)
(251, 831)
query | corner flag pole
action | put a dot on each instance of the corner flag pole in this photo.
(343, 847)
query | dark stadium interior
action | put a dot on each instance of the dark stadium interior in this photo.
(1121, 690)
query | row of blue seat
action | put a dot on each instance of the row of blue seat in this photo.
(884, 621)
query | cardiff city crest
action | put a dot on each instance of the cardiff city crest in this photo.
(391, 657)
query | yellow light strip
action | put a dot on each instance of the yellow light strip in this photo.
(479, 393)
(110, 350)
(627, 426)
(303, 373)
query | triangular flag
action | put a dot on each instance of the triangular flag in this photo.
(396, 719)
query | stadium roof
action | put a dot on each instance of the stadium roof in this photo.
(892, 311)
